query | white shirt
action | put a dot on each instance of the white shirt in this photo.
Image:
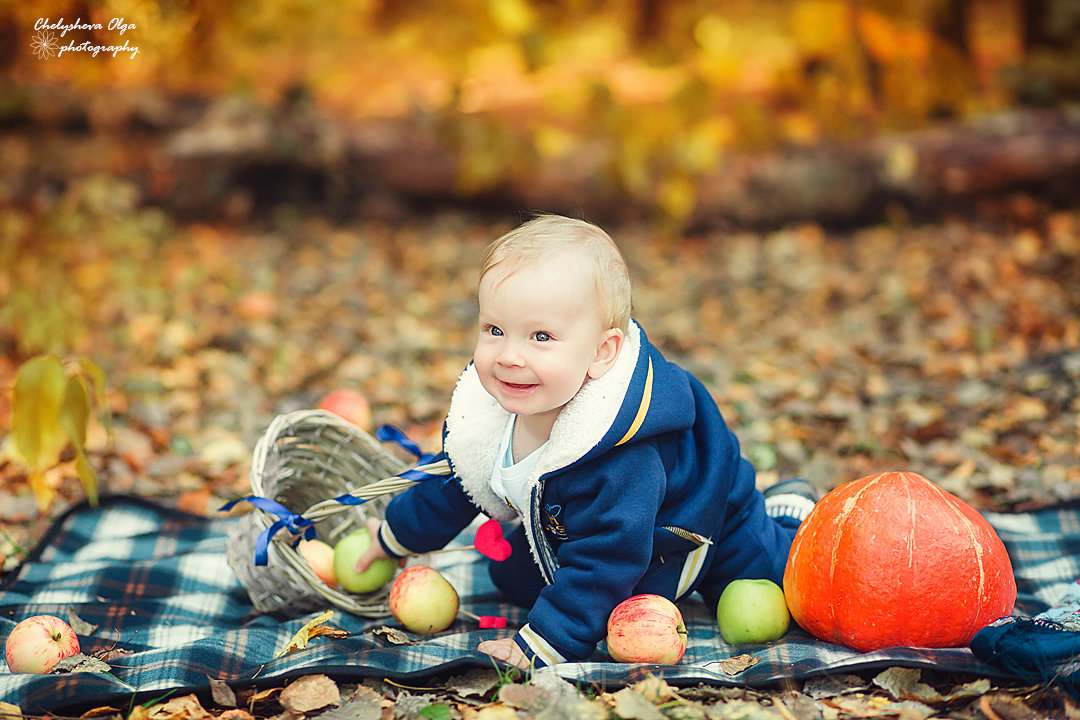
(510, 480)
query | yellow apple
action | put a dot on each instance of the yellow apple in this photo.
(422, 600)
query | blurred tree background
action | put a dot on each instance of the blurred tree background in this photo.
(258, 201)
(650, 95)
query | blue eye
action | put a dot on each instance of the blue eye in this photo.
(542, 336)
(495, 331)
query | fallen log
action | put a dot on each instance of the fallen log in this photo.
(231, 158)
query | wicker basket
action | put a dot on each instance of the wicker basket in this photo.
(303, 461)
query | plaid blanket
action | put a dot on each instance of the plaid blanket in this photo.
(156, 583)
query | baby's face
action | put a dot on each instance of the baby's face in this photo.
(540, 332)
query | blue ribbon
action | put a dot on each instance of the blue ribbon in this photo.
(296, 523)
(389, 433)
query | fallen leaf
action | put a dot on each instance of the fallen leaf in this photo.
(358, 707)
(435, 711)
(631, 706)
(393, 635)
(265, 695)
(738, 663)
(80, 626)
(655, 690)
(906, 684)
(10, 712)
(474, 683)
(79, 663)
(221, 693)
(236, 714)
(497, 712)
(104, 711)
(187, 707)
(409, 705)
(310, 693)
(522, 696)
(832, 685)
(300, 639)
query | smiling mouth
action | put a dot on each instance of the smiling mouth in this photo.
(518, 387)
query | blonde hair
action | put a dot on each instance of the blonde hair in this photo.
(548, 235)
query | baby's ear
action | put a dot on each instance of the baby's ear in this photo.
(606, 352)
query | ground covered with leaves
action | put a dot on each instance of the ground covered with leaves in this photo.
(951, 349)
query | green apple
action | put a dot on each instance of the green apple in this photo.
(752, 611)
(347, 551)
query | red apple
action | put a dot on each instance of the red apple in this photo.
(422, 600)
(37, 643)
(646, 629)
(350, 405)
(320, 557)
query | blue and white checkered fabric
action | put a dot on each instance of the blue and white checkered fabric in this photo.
(156, 583)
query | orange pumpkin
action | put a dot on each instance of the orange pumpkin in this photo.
(892, 559)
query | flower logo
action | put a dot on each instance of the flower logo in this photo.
(44, 45)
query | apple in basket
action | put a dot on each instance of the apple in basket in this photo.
(646, 629)
(752, 611)
(348, 404)
(422, 600)
(320, 558)
(347, 551)
(37, 643)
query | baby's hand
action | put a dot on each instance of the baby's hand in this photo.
(375, 551)
(507, 650)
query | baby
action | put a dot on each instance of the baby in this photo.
(611, 467)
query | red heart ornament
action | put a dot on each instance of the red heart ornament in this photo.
(490, 542)
(492, 621)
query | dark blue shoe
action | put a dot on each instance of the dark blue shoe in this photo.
(792, 498)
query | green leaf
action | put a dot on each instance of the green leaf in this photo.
(35, 412)
(436, 711)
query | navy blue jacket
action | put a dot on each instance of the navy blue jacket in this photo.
(640, 488)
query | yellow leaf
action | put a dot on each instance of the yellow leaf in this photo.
(43, 491)
(87, 476)
(300, 639)
(75, 411)
(35, 412)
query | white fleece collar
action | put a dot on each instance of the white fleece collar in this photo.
(475, 423)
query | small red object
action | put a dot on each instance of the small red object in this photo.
(490, 542)
(492, 621)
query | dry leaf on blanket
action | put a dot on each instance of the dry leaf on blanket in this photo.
(737, 663)
(310, 693)
(393, 635)
(311, 630)
(80, 626)
(80, 663)
(9, 711)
